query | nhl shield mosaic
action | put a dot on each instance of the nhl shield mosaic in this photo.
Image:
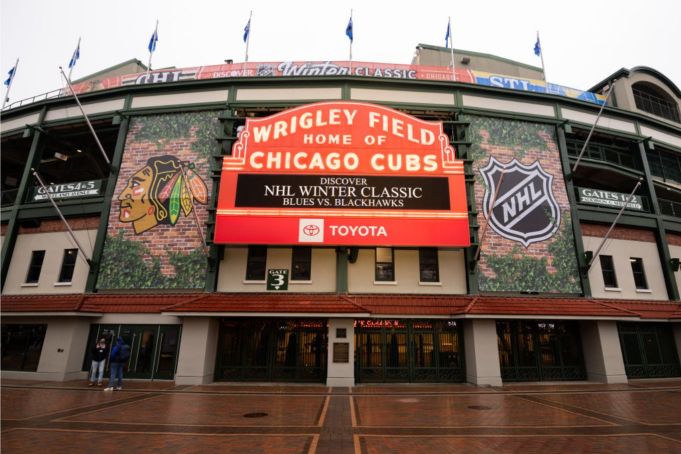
(519, 203)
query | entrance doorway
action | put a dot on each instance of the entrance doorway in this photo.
(648, 350)
(153, 348)
(408, 351)
(540, 350)
(272, 350)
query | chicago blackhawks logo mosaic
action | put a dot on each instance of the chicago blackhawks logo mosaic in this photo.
(519, 203)
(160, 192)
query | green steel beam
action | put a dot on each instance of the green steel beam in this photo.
(98, 248)
(582, 263)
(660, 233)
(13, 225)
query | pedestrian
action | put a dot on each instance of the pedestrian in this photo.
(98, 354)
(119, 356)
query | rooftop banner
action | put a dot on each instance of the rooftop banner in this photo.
(335, 68)
(342, 173)
(279, 69)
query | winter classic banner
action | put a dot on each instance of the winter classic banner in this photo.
(342, 173)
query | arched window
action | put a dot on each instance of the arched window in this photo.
(654, 100)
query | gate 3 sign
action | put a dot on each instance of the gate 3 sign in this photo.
(342, 173)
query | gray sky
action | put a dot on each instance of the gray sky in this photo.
(583, 41)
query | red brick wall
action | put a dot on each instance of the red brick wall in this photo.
(674, 239)
(57, 225)
(619, 233)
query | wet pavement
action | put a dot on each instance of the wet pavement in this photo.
(639, 417)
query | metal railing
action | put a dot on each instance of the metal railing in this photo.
(36, 98)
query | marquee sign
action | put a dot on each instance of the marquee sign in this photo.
(342, 173)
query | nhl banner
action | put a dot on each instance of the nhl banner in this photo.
(522, 207)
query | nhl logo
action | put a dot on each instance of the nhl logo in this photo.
(525, 209)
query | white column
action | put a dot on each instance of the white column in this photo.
(482, 352)
(341, 373)
(198, 349)
(602, 352)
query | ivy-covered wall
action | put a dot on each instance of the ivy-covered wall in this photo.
(506, 264)
(160, 203)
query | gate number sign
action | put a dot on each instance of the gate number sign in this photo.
(277, 279)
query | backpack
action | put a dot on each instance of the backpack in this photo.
(124, 353)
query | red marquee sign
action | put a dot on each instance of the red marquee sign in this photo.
(342, 173)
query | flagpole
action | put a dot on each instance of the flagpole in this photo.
(71, 66)
(11, 81)
(593, 126)
(248, 35)
(489, 215)
(451, 45)
(151, 52)
(351, 39)
(87, 120)
(68, 227)
(605, 238)
(541, 54)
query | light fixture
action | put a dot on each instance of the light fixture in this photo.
(78, 150)
(63, 157)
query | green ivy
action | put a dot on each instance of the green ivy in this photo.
(160, 129)
(518, 136)
(190, 268)
(123, 267)
(517, 272)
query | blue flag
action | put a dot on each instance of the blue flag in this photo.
(152, 41)
(348, 30)
(247, 29)
(10, 75)
(75, 56)
(537, 47)
(449, 32)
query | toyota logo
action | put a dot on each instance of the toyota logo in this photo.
(311, 230)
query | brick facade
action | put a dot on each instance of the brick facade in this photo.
(620, 233)
(183, 237)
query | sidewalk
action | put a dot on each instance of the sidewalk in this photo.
(643, 416)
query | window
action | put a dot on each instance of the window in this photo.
(68, 264)
(255, 267)
(654, 100)
(428, 265)
(608, 270)
(385, 266)
(639, 273)
(301, 264)
(34, 268)
(21, 346)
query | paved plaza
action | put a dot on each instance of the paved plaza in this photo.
(642, 416)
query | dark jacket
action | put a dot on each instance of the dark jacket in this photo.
(98, 352)
(120, 352)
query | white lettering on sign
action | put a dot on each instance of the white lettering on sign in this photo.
(396, 126)
(358, 230)
(308, 120)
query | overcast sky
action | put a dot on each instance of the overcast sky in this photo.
(583, 41)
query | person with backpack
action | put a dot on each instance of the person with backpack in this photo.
(119, 357)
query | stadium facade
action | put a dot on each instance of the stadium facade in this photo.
(345, 223)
